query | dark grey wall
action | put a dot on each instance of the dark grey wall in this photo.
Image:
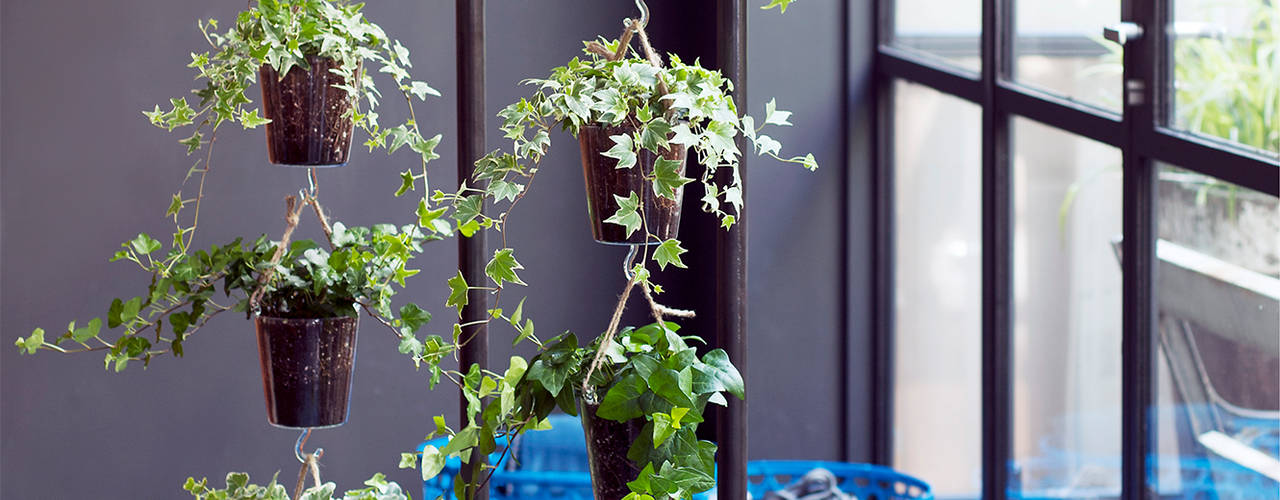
(82, 170)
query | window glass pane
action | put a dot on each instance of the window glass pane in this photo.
(1058, 47)
(1217, 414)
(1226, 71)
(938, 299)
(951, 30)
(1067, 317)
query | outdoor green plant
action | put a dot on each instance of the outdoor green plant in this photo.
(647, 373)
(1224, 86)
(239, 488)
(1229, 86)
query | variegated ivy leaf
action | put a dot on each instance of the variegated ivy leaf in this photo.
(653, 136)
(627, 215)
(503, 266)
(767, 145)
(623, 150)
(774, 116)
(781, 4)
(668, 253)
(681, 134)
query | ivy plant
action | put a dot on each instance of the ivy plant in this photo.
(648, 373)
(308, 281)
(238, 487)
(363, 269)
(283, 34)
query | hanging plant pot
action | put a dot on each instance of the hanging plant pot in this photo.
(311, 119)
(306, 369)
(604, 180)
(607, 445)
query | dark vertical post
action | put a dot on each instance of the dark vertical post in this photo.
(997, 255)
(471, 251)
(731, 266)
(1144, 96)
(882, 314)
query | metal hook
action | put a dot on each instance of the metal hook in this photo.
(297, 447)
(627, 263)
(311, 180)
(644, 15)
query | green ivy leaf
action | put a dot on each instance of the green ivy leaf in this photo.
(114, 312)
(782, 4)
(144, 244)
(251, 120)
(464, 439)
(503, 190)
(32, 343)
(175, 206)
(669, 253)
(622, 402)
(627, 215)
(432, 462)
(667, 178)
(426, 216)
(413, 316)
(503, 267)
(406, 182)
(457, 293)
(192, 143)
(663, 428)
(130, 309)
(653, 136)
(717, 365)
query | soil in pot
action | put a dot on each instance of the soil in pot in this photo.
(311, 120)
(604, 180)
(607, 445)
(306, 369)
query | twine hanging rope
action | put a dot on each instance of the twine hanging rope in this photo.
(292, 215)
(658, 310)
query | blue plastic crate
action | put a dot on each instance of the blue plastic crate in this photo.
(865, 481)
(548, 465)
(552, 465)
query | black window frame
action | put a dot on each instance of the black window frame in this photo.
(1138, 130)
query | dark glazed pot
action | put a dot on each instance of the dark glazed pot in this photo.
(607, 445)
(604, 180)
(311, 121)
(306, 369)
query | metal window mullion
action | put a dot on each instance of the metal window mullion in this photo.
(997, 253)
(1145, 97)
(883, 274)
(471, 251)
(731, 268)
(919, 68)
(1211, 157)
(882, 244)
(1062, 113)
